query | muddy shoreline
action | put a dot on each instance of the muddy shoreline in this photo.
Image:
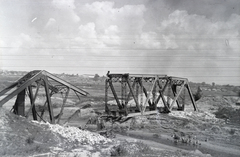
(205, 147)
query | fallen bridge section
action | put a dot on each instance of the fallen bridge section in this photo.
(39, 83)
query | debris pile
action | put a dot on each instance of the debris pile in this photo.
(200, 116)
(21, 137)
(73, 134)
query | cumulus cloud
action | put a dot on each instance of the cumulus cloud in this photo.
(114, 26)
(112, 30)
(111, 37)
(197, 27)
(67, 7)
(87, 30)
(149, 40)
(87, 37)
(202, 40)
(198, 34)
(128, 18)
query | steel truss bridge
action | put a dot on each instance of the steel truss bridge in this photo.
(42, 84)
(144, 91)
(124, 87)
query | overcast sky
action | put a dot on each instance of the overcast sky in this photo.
(196, 39)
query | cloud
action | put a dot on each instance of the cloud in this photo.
(64, 4)
(114, 26)
(87, 37)
(169, 41)
(201, 43)
(216, 10)
(87, 30)
(190, 29)
(111, 36)
(149, 40)
(112, 30)
(68, 9)
(105, 25)
(21, 41)
(101, 7)
(128, 18)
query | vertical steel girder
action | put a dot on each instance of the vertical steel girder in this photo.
(106, 96)
(174, 90)
(191, 96)
(161, 90)
(144, 91)
(123, 87)
(132, 93)
(159, 85)
(177, 95)
(49, 103)
(131, 88)
(115, 94)
(63, 105)
(32, 101)
(154, 105)
(45, 103)
(19, 107)
(148, 95)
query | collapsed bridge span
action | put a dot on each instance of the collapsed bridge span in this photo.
(35, 84)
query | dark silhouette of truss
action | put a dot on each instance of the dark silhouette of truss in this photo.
(30, 85)
(124, 87)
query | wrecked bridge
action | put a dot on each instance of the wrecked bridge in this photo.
(39, 83)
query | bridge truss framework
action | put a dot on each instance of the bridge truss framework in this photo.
(32, 85)
(124, 87)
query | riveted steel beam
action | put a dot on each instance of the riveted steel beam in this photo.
(21, 87)
(49, 102)
(63, 105)
(132, 92)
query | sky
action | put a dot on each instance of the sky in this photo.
(194, 39)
